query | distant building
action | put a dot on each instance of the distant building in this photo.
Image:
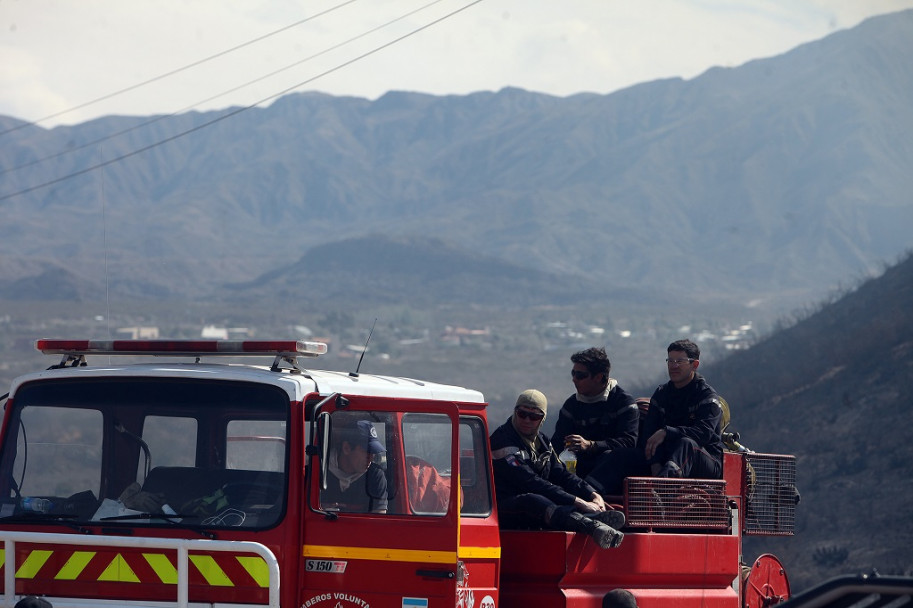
(462, 336)
(211, 332)
(140, 333)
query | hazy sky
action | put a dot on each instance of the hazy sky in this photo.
(56, 55)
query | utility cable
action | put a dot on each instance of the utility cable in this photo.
(222, 94)
(237, 110)
(177, 70)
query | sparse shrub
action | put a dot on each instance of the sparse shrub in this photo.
(830, 556)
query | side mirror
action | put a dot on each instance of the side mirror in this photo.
(323, 427)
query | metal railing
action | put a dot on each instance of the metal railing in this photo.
(652, 502)
(181, 545)
(770, 508)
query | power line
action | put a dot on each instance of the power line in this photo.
(222, 94)
(176, 71)
(237, 110)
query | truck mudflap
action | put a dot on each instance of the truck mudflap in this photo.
(172, 565)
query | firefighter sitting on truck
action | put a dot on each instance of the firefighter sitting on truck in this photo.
(682, 436)
(599, 417)
(535, 490)
(355, 483)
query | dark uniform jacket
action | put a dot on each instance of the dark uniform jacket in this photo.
(520, 470)
(610, 424)
(365, 494)
(693, 411)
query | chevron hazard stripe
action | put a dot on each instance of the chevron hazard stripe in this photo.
(216, 569)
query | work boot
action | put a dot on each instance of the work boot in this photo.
(613, 519)
(605, 536)
(671, 470)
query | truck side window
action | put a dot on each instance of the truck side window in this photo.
(358, 463)
(474, 468)
(427, 442)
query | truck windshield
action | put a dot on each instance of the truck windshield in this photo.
(146, 451)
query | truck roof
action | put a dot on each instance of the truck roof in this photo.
(296, 384)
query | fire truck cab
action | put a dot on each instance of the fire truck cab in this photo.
(192, 482)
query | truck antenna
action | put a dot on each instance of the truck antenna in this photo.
(364, 350)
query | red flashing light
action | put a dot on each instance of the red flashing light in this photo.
(237, 348)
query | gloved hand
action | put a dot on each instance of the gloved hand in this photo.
(134, 498)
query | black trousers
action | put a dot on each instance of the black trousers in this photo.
(529, 511)
(609, 475)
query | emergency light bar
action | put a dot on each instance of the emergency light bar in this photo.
(234, 348)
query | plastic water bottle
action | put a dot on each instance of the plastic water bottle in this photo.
(569, 459)
(37, 505)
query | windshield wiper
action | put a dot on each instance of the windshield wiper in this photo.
(167, 516)
(52, 518)
(174, 519)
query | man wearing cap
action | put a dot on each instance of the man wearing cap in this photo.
(355, 483)
(535, 490)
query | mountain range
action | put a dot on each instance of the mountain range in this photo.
(765, 184)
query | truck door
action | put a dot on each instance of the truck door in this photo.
(383, 530)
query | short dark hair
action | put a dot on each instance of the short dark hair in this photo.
(619, 598)
(595, 359)
(32, 601)
(690, 348)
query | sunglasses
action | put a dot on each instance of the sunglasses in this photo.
(577, 375)
(529, 415)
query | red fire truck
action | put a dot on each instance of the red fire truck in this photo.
(182, 480)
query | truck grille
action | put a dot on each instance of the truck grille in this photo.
(652, 502)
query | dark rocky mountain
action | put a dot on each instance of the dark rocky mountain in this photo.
(770, 182)
(424, 272)
(835, 390)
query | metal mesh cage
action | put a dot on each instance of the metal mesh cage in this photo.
(652, 502)
(772, 495)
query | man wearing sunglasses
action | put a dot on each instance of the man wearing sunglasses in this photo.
(682, 435)
(599, 417)
(535, 490)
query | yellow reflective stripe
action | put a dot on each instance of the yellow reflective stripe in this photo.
(480, 552)
(383, 555)
(75, 565)
(118, 571)
(257, 569)
(33, 564)
(211, 571)
(163, 567)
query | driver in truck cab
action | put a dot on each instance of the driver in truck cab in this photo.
(355, 482)
(533, 487)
